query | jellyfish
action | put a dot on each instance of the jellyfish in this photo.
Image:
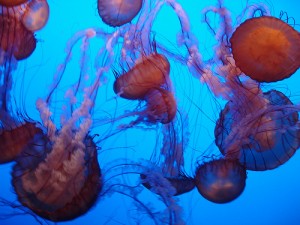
(16, 128)
(36, 15)
(33, 14)
(57, 175)
(118, 12)
(170, 161)
(150, 72)
(221, 180)
(261, 138)
(10, 3)
(266, 49)
(149, 80)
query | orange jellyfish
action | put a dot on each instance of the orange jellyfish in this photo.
(16, 129)
(15, 41)
(148, 80)
(161, 106)
(266, 49)
(117, 13)
(33, 14)
(36, 15)
(150, 72)
(57, 175)
(261, 138)
(10, 3)
(221, 180)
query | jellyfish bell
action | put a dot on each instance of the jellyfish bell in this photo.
(11, 3)
(266, 49)
(16, 43)
(149, 72)
(15, 40)
(161, 106)
(116, 13)
(58, 181)
(176, 185)
(221, 181)
(14, 139)
(57, 175)
(36, 15)
(33, 14)
(270, 134)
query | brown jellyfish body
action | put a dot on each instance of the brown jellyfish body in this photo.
(180, 184)
(221, 180)
(15, 139)
(118, 12)
(260, 140)
(161, 105)
(57, 182)
(11, 3)
(266, 49)
(36, 15)
(150, 72)
(15, 39)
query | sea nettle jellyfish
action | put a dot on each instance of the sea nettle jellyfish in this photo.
(148, 80)
(263, 137)
(10, 3)
(266, 49)
(16, 128)
(57, 176)
(118, 12)
(169, 176)
(33, 14)
(221, 180)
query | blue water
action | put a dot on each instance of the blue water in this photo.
(270, 197)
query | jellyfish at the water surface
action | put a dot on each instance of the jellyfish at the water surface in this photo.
(266, 49)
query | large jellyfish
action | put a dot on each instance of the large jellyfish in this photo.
(266, 49)
(261, 129)
(57, 175)
(263, 138)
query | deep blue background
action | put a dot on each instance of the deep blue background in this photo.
(271, 197)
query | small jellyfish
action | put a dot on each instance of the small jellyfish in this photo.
(161, 106)
(33, 14)
(36, 15)
(221, 181)
(260, 137)
(116, 13)
(266, 49)
(148, 81)
(169, 173)
(149, 72)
